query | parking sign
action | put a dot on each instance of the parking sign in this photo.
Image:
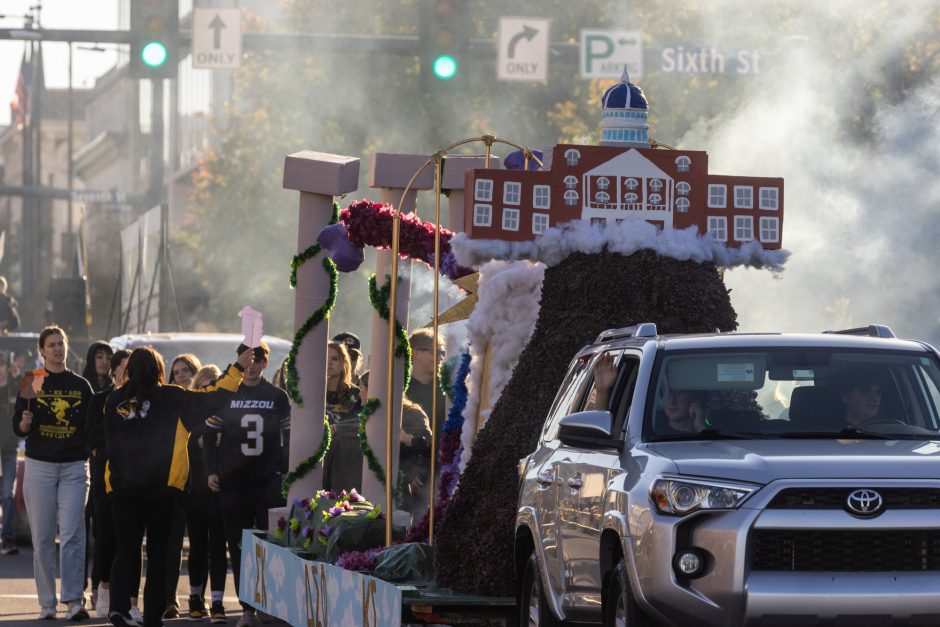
(603, 53)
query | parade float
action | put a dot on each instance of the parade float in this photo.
(551, 248)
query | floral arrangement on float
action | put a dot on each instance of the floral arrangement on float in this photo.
(329, 524)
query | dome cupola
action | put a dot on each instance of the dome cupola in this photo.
(625, 121)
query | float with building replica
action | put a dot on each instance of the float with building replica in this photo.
(554, 247)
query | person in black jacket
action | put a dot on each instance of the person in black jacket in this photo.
(55, 482)
(105, 546)
(146, 428)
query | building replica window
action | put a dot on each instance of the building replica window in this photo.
(510, 219)
(571, 182)
(682, 205)
(718, 228)
(603, 183)
(656, 199)
(482, 215)
(512, 192)
(571, 198)
(541, 196)
(631, 183)
(631, 198)
(572, 156)
(483, 189)
(769, 230)
(743, 228)
(717, 196)
(656, 185)
(683, 163)
(539, 223)
(743, 197)
(768, 198)
(683, 188)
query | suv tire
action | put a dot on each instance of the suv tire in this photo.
(620, 608)
(534, 610)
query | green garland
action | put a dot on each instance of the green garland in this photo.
(379, 299)
(443, 378)
(374, 465)
(292, 379)
(311, 462)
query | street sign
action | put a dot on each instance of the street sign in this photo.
(523, 49)
(217, 38)
(603, 53)
(686, 59)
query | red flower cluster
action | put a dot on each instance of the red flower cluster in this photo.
(370, 224)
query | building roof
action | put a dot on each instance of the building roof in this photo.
(625, 95)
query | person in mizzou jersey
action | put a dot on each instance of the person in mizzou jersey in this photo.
(146, 428)
(245, 469)
(55, 482)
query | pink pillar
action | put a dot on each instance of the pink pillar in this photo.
(391, 174)
(318, 177)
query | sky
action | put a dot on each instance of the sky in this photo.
(71, 14)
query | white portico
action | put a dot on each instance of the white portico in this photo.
(628, 186)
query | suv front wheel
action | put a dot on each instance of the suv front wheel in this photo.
(620, 608)
(533, 604)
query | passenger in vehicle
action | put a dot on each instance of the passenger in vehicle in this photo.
(684, 412)
(860, 392)
(605, 374)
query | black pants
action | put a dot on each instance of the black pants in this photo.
(91, 542)
(105, 542)
(174, 549)
(247, 510)
(206, 559)
(134, 514)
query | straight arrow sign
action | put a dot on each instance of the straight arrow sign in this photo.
(523, 49)
(216, 25)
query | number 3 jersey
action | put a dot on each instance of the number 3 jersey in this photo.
(254, 427)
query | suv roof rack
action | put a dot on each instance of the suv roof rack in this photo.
(872, 330)
(645, 329)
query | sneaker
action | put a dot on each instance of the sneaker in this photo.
(47, 613)
(125, 620)
(247, 619)
(136, 615)
(172, 611)
(103, 602)
(217, 612)
(76, 611)
(8, 548)
(197, 607)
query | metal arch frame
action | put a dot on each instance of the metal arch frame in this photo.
(437, 159)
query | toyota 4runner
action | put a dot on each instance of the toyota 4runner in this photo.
(736, 479)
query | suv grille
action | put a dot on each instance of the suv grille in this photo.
(847, 551)
(835, 498)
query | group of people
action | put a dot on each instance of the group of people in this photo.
(202, 449)
(132, 449)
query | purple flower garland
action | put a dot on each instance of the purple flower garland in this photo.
(370, 224)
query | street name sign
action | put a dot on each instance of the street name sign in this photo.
(523, 49)
(217, 38)
(603, 53)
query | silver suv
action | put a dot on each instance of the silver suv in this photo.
(736, 479)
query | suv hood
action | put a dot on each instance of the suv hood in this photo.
(762, 461)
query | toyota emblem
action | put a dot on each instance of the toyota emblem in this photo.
(864, 503)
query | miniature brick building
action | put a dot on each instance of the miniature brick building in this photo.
(623, 177)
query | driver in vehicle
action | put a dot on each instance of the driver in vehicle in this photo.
(860, 392)
(684, 412)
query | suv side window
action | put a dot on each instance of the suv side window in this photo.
(621, 393)
(569, 395)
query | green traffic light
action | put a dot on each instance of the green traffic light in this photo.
(445, 66)
(153, 54)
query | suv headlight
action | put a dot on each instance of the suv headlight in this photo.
(681, 496)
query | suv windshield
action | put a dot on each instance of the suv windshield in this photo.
(794, 392)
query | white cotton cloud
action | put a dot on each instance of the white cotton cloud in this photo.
(626, 238)
(502, 322)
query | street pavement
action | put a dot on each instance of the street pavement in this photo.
(18, 604)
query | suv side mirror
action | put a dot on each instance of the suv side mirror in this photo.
(588, 429)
